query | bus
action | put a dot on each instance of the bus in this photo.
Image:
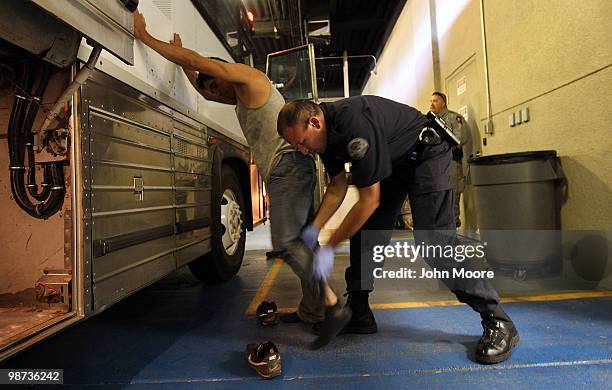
(118, 171)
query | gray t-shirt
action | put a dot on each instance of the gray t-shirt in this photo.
(259, 128)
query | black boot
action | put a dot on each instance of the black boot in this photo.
(497, 341)
(362, 321)
(336, 318)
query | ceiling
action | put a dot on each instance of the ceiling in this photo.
(361, 27)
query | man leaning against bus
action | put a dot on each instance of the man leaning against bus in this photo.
(288, 174)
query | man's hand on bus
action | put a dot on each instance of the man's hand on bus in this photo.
(140, 25)
(176, 40)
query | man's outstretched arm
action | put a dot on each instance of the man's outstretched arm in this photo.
(191, 60)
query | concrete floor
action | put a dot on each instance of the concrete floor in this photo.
(181, 334)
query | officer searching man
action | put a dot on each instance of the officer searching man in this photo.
(394, 151)
(288, 175)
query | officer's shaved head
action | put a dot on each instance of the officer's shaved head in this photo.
(302, 124)
(296, 112)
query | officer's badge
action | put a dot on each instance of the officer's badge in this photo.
(357, 148)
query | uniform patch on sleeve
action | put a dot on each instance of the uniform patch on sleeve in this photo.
(357, 148)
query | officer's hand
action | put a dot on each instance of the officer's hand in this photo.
(323, 262)
(309, 236)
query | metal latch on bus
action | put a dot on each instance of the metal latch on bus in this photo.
(139, 188)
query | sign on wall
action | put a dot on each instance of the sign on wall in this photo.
(461, 86)
(463, 111)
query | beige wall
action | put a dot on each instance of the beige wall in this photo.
(553, 57)
(405, 70)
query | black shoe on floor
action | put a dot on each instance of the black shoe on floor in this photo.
(497, 342)
(336, 318)
(291, 318)
(361, 323)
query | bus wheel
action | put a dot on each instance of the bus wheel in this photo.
(228, 232)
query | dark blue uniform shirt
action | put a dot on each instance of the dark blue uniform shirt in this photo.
(374, 134)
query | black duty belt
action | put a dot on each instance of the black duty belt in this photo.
(434, 133)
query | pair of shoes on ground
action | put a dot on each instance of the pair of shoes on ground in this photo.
(264, 358)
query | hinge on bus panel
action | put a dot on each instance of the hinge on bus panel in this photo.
(54, 290)
(139, 188)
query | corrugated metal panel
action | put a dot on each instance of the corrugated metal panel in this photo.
(150, 189)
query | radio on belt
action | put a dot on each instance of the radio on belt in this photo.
(443, 129)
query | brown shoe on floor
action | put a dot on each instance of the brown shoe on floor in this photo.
(264, 358)
(267, 313)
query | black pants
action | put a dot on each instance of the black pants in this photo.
(427, 182)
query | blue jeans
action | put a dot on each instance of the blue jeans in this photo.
(291, 188)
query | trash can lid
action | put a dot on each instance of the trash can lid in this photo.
(510, 158)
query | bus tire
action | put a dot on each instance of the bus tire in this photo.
(228, 232)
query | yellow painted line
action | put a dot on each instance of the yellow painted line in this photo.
(264, 287)
(454, 302)
(559, 297)
(411, 305)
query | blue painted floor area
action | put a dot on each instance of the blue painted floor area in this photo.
(180, 334)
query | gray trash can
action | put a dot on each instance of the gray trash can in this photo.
(518, 205)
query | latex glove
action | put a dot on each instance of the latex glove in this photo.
(309, 235)
(323, 262)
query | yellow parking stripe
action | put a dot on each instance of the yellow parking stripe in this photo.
(270, 278)
(527, 298)
(560, 296)
(454, 302)
(264, 287)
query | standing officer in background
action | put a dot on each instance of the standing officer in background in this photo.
(461, 130)
(393, 152)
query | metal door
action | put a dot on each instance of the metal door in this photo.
(465, 93)
(129, 190)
